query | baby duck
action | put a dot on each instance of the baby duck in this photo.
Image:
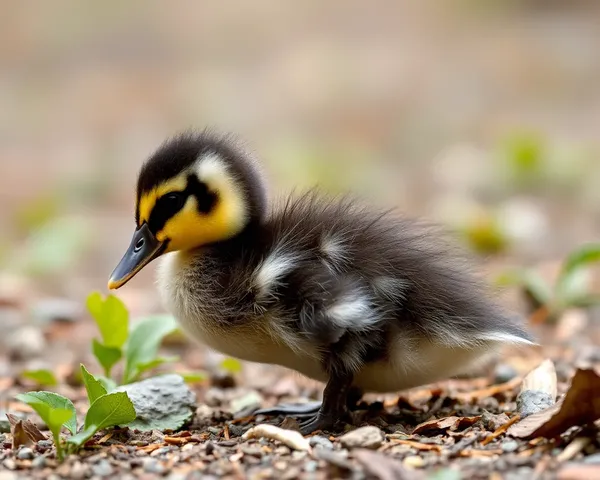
(346, 294)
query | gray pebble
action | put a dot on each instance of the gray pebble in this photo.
(321, 442)
(504, 373)
(102, 469)
(25, 454)
(363, 437)
(533, 401)
(510, 446)
(311, 466)
(4, 424)
(26, 342)
(39, 462)
(592, 459)
(152, 466)
(2, 438)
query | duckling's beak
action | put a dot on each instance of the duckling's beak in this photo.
(143, 249)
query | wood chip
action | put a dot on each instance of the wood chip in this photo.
(416, 445)
(106, 438)
(501, 430)
(150, 448)
(543, 379)
(489, 391)
(176, 440)
(290, 438)
(573, 449)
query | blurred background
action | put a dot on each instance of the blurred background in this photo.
(482, 115)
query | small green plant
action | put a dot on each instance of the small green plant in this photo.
(106, 410)
(41, 377)
(138, 346)
(569, 290)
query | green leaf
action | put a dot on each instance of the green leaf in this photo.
(108, 383)
(41, 377)
(93, 387)
(112, 318)
(144, 342)
(232, 365)
(107, 356)
(193, 377)
(45, 403)
(83, 436)
(110, 410)
(537, 287)
(580, 258)
(143, 367)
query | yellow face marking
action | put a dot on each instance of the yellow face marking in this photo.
(149, 199)
(190, 228)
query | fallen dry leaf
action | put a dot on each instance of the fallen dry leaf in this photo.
(382, 466)
(23, 431)
(542, 378)
(580, 406)
(290, 438)
(19, 436)
(448, 423)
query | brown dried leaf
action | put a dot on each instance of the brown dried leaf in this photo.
(383, 467)
(19, 435)
(452, 423)
(580, 406)
(24, 427)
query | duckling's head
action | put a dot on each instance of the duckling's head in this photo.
(196, 189)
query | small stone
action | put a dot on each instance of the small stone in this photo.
(504, 373)
(593, 459)
(311, 466)
(251, 400)
(162, 402)
(10, 464)
(102, 469)
(2, 438)
(4, 424)
(8, 476)
(364, 437)
(56, 310)
(222, 380)
(318, 441)
(39, 462)
(533, 401)
(25, 454)
(152, 466)
(510, 446)
(413, 461)
(79, 470)
(25, 343)
(493, 422)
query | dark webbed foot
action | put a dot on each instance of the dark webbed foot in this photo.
(296, 410)
(320, 415)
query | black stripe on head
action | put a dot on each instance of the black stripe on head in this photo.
(171, 203)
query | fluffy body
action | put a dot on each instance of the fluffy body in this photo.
(322, 285)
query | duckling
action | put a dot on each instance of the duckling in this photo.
(361, 299)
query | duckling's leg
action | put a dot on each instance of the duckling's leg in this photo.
(333, 407)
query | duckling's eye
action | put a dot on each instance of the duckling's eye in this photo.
(173, 201)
